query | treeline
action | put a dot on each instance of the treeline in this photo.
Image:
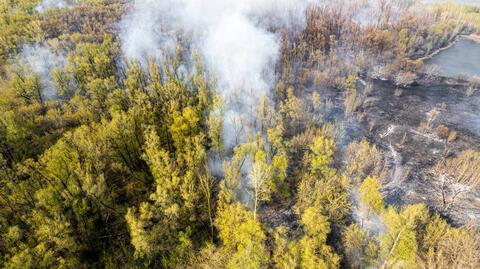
(118, 170)
(380, 39)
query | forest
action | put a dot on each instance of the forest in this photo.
(236, 134)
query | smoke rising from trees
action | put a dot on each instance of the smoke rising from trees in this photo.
(42, 61)
(232, 38)
(49, 4)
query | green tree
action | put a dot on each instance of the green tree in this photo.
(265, 117)
(286, 253)
(260, 177)
(17, 25)
(91, 61)
(444, 246)
(399, 244)
(322, 186)
(362, 160)
(161, 227)
(215, 127)
(242, 237)
(28, 86)
(154, 227)
(370, 195)
(293, 111)
(315, 253)
(184, 126)
(361, 248)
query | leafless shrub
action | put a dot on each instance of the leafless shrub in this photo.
(371, 125)
(405, 79)
(328, 104)
(443, 106)
(403, 141)
(452, 136)
(462, 77)
(432, 116)
(431, 71)
(446, 134)
(322, 79)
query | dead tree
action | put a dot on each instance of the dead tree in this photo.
(458, 175)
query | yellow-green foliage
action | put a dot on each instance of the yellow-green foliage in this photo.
(448, 247)
(468, 14)
(123, 167)
(361, 247)
(370, 195)
(399, 243)
(315, 253)
(17, 24)
(323, 186)
(242, 237)
(322, 152)
(362, 160)
(310, 250)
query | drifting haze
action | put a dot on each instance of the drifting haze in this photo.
(42, 61)
(49, 4)
(232, 38)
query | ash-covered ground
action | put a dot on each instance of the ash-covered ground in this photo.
(391, 119)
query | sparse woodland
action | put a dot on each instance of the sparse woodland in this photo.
(125, 165)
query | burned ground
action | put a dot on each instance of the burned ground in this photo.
(392, 123)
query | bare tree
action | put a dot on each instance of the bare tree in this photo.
(259, 178)
(458, 175)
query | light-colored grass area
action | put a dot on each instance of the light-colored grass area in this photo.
(474, 37)
(468, 14)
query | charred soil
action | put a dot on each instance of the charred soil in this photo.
(394, 121)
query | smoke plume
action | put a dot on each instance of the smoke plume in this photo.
(49, 4)
(232, 37)
(369, 221)
(42, 61)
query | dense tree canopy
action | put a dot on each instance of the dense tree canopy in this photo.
(124, 165)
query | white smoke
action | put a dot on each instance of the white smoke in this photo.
(370, 221)
(371, 12)
(232, 38)
(42, 61)
(49, 4)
